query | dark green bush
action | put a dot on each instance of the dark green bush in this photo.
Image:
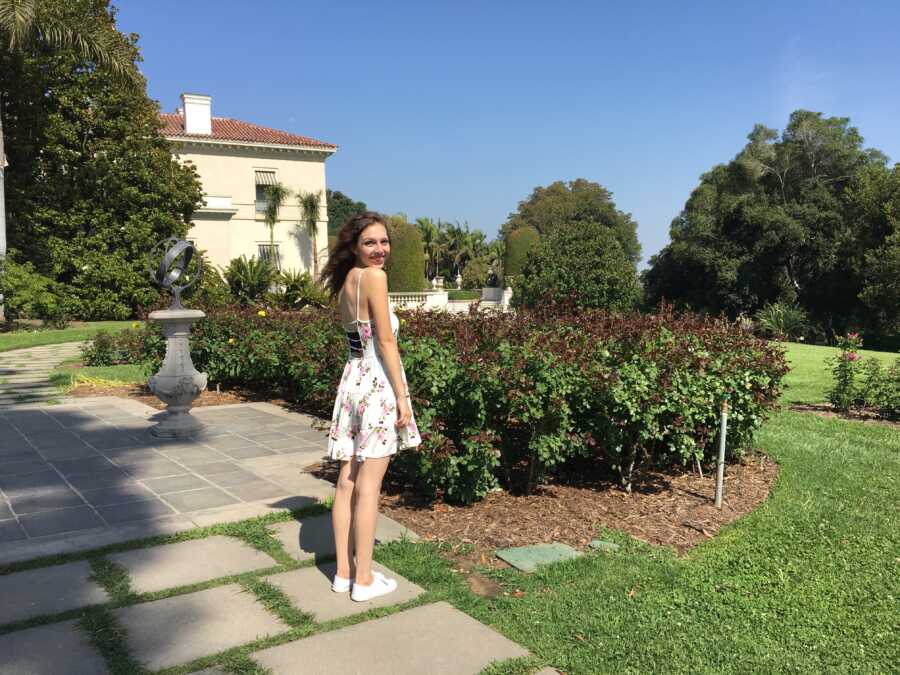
(582, 261)
(508, 399)
(406, 264)
(519, 243)
(475, 274)
(248, 279)
(29, 294)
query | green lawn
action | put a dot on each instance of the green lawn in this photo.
(807, 583)
(21, 339)
(810, 377)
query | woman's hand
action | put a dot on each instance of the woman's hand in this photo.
(404, 413)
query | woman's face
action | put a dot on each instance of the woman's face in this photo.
(373, 246)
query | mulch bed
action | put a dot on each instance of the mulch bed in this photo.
(144, 395)
(666, 509)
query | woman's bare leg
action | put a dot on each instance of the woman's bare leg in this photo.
(365, 514)
(342, 518)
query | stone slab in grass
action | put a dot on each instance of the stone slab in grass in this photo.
(528, 558)
(309, 589)
(188, 562)
(175, 630)
(436, 639)
(314, 537)
(50, 650)
(47, 590)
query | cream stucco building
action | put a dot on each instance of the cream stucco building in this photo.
(235, 161)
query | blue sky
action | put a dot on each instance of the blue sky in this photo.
(459, 109)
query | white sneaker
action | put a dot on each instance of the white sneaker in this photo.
(380, 585)
(340, 584)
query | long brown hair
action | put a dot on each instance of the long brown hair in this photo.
(342, 258)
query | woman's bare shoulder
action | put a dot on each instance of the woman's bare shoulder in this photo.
(373, 278)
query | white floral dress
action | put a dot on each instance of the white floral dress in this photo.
(365, 410)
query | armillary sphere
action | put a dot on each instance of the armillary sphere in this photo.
(172, 267)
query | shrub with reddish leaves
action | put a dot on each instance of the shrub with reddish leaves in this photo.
(505, 400)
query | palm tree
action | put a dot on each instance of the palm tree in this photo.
(276, 194)
(431, 233)
(310, 205)
(25, 22)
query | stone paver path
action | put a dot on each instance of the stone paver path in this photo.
(24, 373)
(85, 474)
(89, 472)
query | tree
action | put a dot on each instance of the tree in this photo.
(561, 204)
(276, 195)
(519, 243)
(27, 23)
(404, 265)
(431, 241)
(778, 224)
(310, 204)
(341, 209)
(93, 185)
(583, 262)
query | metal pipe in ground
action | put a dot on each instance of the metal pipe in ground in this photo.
(720, 477)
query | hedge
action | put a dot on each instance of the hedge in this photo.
(506, 400)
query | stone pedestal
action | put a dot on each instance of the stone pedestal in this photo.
(177, 383)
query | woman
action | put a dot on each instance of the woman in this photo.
(372, 413)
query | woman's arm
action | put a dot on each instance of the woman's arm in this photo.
(375, 288)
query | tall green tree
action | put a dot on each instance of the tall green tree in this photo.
(26, 24)
(561, 204)
(340, 209)
(276, 195)
(310, 204)
(777, 224)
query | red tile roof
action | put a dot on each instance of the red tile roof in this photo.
(226, 129)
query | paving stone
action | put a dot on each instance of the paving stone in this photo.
(313, 537)
(16, 451)
(154, 468)
(193, 456)
(53, 440)
(100, 479)
(286, 444)
(214, 468)
(247, 453)
(136, 510)
(267, 436)
(60, 520)
(135, 455)
(50, 650)
(10, 530)
(5, 511)
(71, 467)
(229, 442)
(68, 452)
(435, 639)
(168, 632)
(26, 466)
(110, 440)
(180, 483)
(39, 480)
(117, 494)
(48, 590)
(528, 558)
(189, 562)
(256, 490)
(45, 501)
(309, 589)
(231, 478)
(195, 500)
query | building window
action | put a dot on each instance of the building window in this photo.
(263, 180)
(270, 254)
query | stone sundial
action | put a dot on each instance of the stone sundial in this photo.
(177, 383)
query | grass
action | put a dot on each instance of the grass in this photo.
(456, 294)
(810, 376)
(806, 583)
(20, 339)
(67, 377)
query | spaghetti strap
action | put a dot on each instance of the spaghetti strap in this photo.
(358, 284)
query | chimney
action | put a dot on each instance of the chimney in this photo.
(197, 114)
